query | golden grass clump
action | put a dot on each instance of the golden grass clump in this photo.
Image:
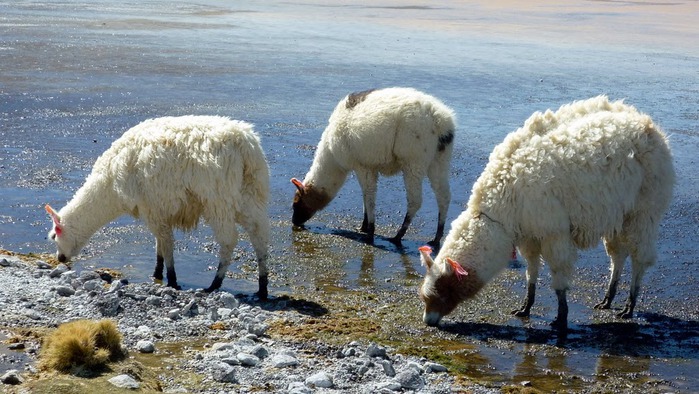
(81, 344)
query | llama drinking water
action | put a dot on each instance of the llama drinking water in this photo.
(170, 172)
(591, 170)
(381, 132)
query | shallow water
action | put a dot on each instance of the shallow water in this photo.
(75, 75)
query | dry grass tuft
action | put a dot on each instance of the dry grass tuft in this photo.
(81, 344)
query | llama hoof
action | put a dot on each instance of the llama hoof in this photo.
(560, 325)
(625, 314)
(396, 241)
(520, 313)
(174, 286)
(603, 305)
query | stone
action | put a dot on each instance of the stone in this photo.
(153, 300)
(434, 367)
(222, 372)
(284, 360)
(144, 346)
(125, 382)
(320, 379)
(388, 368)
(247, 359)
(65, 291)
(60, 269)
(4, 263)
(298, 388)
(229, 300)
(259, 351)
(375, 350)
(410, 379)
(12, 377)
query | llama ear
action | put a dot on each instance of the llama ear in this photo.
(425, 256)
(56, 219)
(459, 271)
(298, 184)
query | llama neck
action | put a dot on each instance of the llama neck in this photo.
(94, 205)
(326, 175)
(486, 248)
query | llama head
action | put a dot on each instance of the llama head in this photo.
(307, 201)
(62, 236)
(445, 286)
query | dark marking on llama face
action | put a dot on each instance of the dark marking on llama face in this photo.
(355, 98)
(445, 140)
(306, 204)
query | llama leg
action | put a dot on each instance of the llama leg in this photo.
(256, 224)
(164, 246)
(367, 181)
(439, 180)
(560, 253)
(642, 257)
(617, 252)
(159, 260)
(226, 234)
(532, 253)
(413, 187)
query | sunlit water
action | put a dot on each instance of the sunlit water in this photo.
(75, 75)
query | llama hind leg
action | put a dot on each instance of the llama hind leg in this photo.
(618, 252)
(367, 181)
(164, 245)
(560, 253)
(256, 225)
(532, 253)
(413, 188)
(642, 257)
(439, 180)
(226, 235)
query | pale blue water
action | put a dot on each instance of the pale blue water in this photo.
(74, 75)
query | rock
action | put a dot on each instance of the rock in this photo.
(108, 305)
(12, 377)
(298, 388)
(65, 291)
(89, 275)
(389, 386)
(222, 372)
(125, 382)
(284, 360)
(247, 359)
(173, 313)
(92, 284)
(321, 379)
(224, 313)
(434, 367)
(229, 300)
(410, 379)
(259, 351)
(43, 265)
(144, 346)
(191, 309)
(4, 263)
(143, 332)
(375, 350)
(16, 346)
(60, 269)
(388, 368)
(153, 300)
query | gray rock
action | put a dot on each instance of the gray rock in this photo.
(4, 263)
(388, 368)
(144, 346)
(410, 379)
(389, 386)
(191, 309)
(375, 350)
(320, 379)
(153, 300)
(284, 360)
(43, 265)
(229, 300)
(56, 272)
(224, 313)
(259, 351)
(12, 377)
(173, 313)
(298, 388)
(222, 372)
(92, 284)
(143, 332)
(108, 305)
(89, 275)
(247, 359)
(65, 291)
(124, 382)
(434, 367)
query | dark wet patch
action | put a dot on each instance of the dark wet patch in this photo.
(355, 98)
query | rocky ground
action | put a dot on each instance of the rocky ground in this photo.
(190, 341)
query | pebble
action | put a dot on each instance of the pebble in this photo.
(12, 377)
(409, 379)
(320, 379)
(65, 291)
(375, 350)
(56, 272)
(298, 388)
(222, 372)
(247, 360)
(125, 382)
(434, 367)
(284, 360)
(144, 346)
(4, 263)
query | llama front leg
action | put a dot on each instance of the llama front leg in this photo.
(531, 251)
(256, 224)
(159, 260)
(617, 254)
(643, 257)
(439, 180)
(226, 234)
(367, 182)
(560, 253)
(413, 187)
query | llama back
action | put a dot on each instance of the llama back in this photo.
(586, 174)
(181, 164)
